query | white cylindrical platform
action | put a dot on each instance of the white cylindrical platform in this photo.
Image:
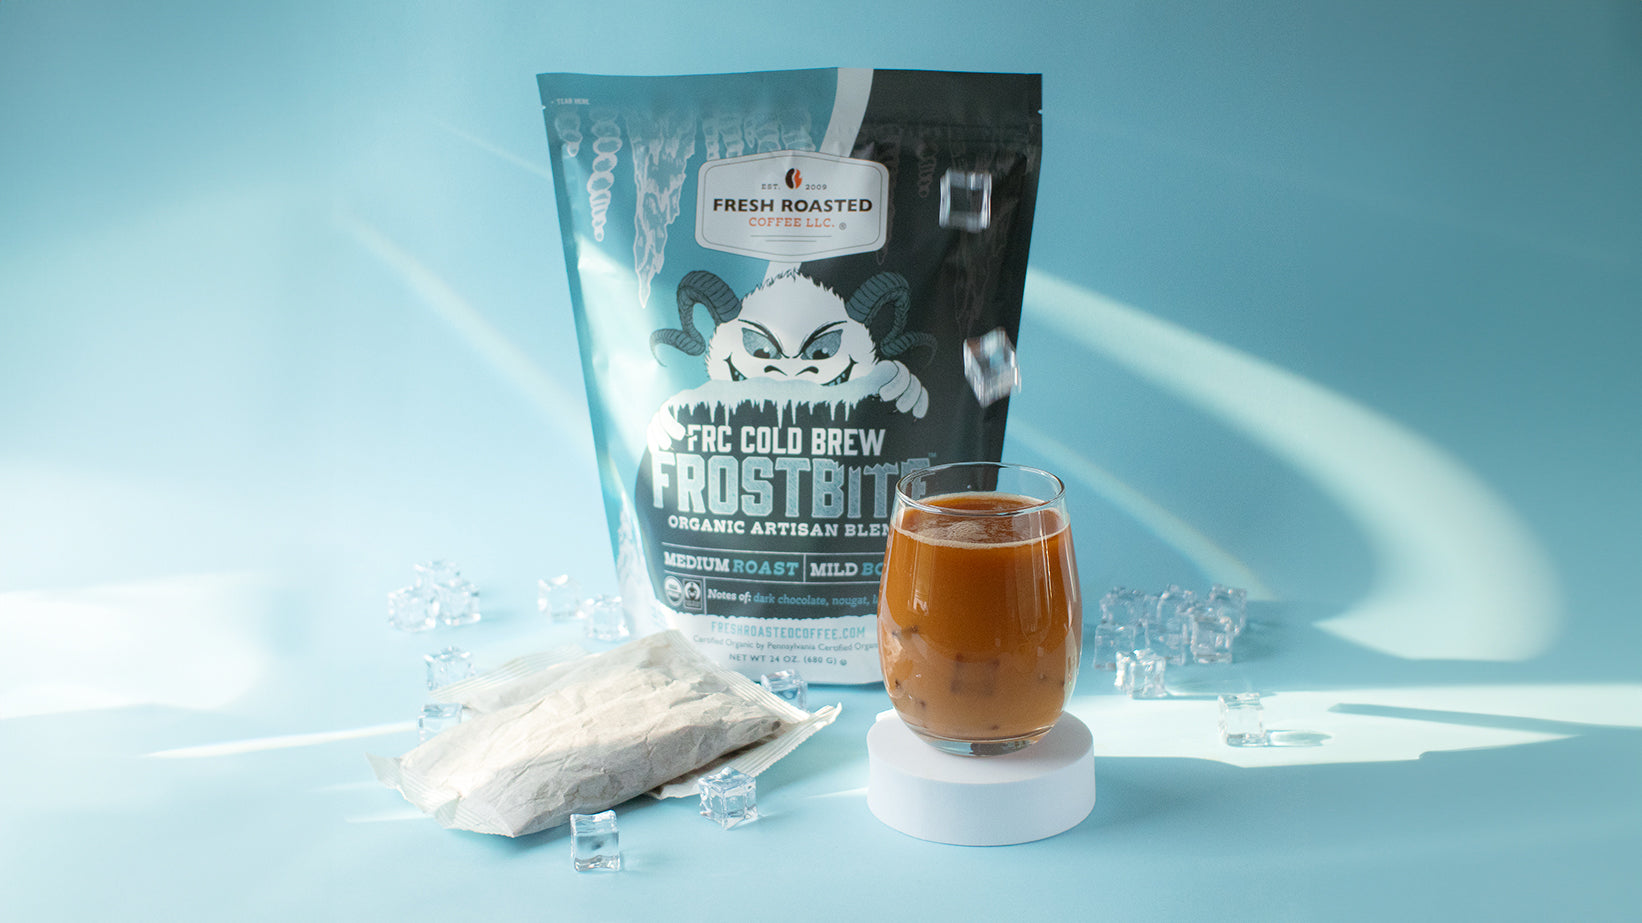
(1045, 789)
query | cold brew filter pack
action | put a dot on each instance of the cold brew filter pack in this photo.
(773, 276)
(550, 735)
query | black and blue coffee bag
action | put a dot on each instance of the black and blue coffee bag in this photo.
(773, 277)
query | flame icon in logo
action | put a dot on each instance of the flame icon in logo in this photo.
(794, 178)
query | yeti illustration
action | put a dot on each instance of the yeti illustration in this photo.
(792, 329)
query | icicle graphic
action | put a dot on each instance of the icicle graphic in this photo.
(662, 147)
(926, 166)
(795, 131)
(763, 132)
(786, 398)
(889, 146)
(606, 142)
(978, 255)
(568, 123)
(709, 136)
(638, 598)
(729, 129)
(722, 130)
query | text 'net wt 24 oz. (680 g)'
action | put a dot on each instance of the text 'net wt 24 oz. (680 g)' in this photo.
(773, 276)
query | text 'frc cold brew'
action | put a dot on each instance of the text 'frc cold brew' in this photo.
(773, 275)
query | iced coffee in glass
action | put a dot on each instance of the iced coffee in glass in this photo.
(979, 615)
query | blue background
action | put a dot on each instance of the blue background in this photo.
(1334, 301)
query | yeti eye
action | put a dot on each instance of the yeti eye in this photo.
(824, 346)
(759, 345)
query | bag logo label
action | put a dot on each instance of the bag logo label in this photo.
(791, 206)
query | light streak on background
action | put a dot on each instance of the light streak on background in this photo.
(1456, 573)
(187, 642)
(1364, 725)
(564, 409)
(281, 742)
(521, 162)
(1218, 564)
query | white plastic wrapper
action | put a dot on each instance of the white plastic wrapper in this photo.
(548, 737)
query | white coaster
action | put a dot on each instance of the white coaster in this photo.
(1045, 789)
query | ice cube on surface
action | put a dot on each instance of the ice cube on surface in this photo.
(595, 842)
(438, 716)
(1172, 642)
(436, 573)
(448, 666)
(1242, 722)
(458, 603)
(1140, 674)
(1123, 606)
(1171, 604)
(789, 685)
(412, 609)
(1212, 635)
(1232, 603)
(729, 797)
(606, 619)
(560, 598)
(1109, 640)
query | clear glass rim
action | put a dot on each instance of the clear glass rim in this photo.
(1057, 485)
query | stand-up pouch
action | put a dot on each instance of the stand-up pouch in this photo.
(774, 276)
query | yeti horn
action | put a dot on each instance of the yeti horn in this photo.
(888, 289)
(704, 288)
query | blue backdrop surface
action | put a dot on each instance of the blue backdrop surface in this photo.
(1336, 302)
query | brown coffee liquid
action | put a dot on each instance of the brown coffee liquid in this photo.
(979, 618)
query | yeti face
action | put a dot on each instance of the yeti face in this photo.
(794, 329)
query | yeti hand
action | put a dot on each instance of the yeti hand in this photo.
(894, 382)
(664, 429)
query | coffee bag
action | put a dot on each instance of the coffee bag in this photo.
(773, 276)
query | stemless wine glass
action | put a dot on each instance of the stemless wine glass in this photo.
(980, 621)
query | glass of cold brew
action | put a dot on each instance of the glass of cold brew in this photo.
(980, 621)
